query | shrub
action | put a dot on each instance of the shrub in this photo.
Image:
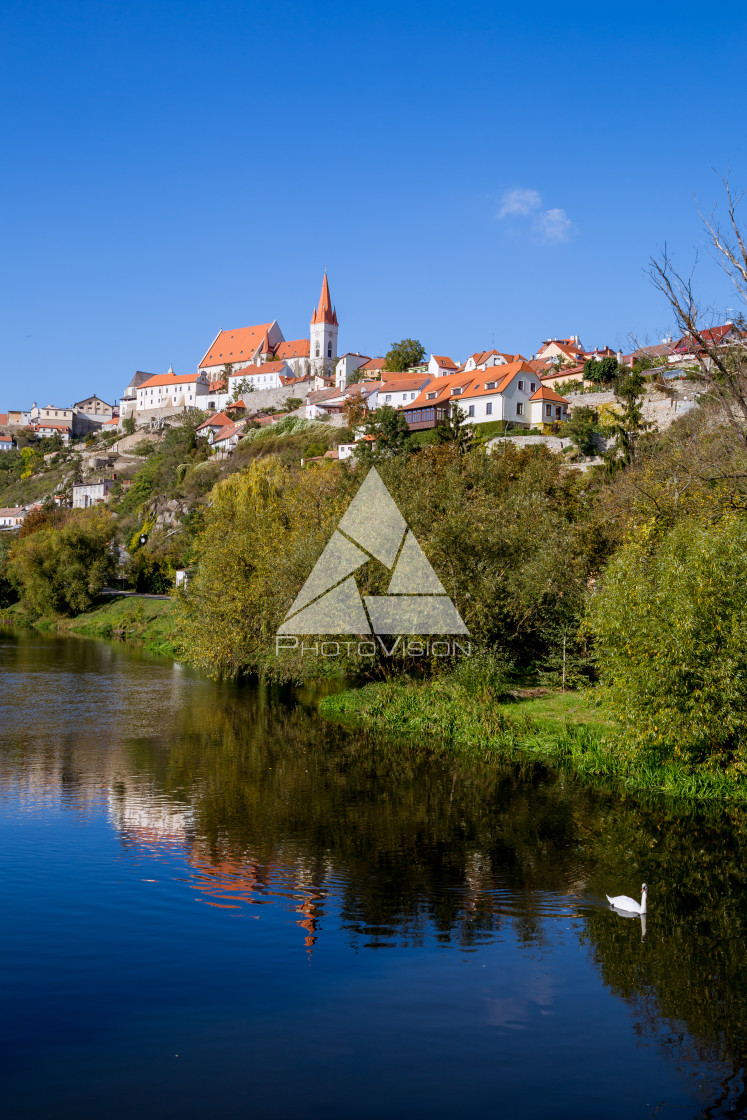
(61, 571)
(670, 622)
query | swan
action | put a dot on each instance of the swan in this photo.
(629, 905)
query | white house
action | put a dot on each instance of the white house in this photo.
(398, 390)
(47, 428)
(501, 392)
(547, 407)
(225, 440)
(87, 494)
(11, 518)
(346, 365)
(266, 376)
(441, 366)
(6, 443)
(172, 390)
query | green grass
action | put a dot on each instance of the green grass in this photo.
(565, 730)
(149, 622)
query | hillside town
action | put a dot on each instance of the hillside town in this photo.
(253, 376)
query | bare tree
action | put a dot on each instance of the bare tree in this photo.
(723, 367)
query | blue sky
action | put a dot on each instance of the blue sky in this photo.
(471, 175)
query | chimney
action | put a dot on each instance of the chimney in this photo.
(619, 357)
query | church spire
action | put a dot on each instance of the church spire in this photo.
(324, 313)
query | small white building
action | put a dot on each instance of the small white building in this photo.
(266, 376)
(399, 389)
(47, 428)
(547, 407)
(171, 390)
(441, 366)
(87, 494)
(11, 518)
(6, 443)
(346, 365)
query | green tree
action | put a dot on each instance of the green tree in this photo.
(582, 428)
(391, 433)
(604, 372)
(404, 354)
(61, 571)
(128, 425)
(242, 388)
(629, 426)
(670, 623)
(455, 431)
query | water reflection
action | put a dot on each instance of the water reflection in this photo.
(251, 801)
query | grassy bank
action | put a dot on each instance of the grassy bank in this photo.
(565, 730)
(149, 622)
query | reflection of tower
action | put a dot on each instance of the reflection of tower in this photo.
(323, 332)
(311, 908)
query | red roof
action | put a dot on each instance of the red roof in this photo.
(48, 424)
(545, 393)
(252, 371)
(239, 345)
(444, 362)
(218, 421)
(324, 313)
(713, 335)
(168, 379)
(299, 348)
(374, 364)
(471, 384)
(3, 417)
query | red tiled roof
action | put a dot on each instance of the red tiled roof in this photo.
(239, 345)
(168, 379)
(444, 362)
(299, 348)
(266, 367)
(545, 393)
(3, 417)
(472, 384)
(48, 424)
(374, 364)
(219, 420)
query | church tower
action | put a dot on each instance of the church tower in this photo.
(323, 334)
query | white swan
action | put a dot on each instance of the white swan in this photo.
(629, 905)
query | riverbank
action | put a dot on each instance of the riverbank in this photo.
(149, 622)
(567, 730)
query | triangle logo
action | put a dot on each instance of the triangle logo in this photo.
(372, 527)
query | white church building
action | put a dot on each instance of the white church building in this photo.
(265, 344)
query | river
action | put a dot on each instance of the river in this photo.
(214, 903)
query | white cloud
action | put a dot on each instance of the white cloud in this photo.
(551, 226)
(521, 202)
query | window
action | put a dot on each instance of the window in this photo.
(471, 410)
(489, 408)
(329, 350)
(490, 385)
(558, 412)
(317, 350)
(457, 391)
(520, 386)
(519, 409)
(431, 396)
(532, 386)
(548, 410)
(412, 396)
(388, 397)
